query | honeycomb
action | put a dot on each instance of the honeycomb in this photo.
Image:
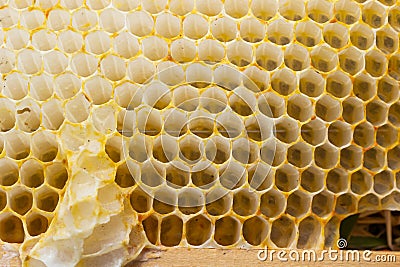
(128, 124)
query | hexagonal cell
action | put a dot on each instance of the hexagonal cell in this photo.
(324, 58)
(353, 110)
(269, 56)
(297, 57)
(373, 13)
(183, 50)
(280, 32)
(376, 112)
(309, 232)
(239, 53)
(312, 179)
(201, 124)
(387, 135)
(175, 122)
(362, 36)
(186, 98)
(346, 204)
(152, 173)
(286, 178)
(283, 226)
(229, 124)
(388, 89)
(286, 130)
(218, 149)
(191, 149)
(211, 51)
(56, 175)
(232, 175)
(393, 68)
(273, 152)
(36, 224)
(190, 200)
(3, 200)
(149, 121)
(300, 108)
(258, 127)
(242, 101)
(311, 83)
(157, 95)
(393, 18)
(351, 157)
(140, 200)
(337, 180)
(11, 230)
(328, 108)
(204, 175)
(224, 29)
(255, 230)
(292, 10)
(361, 182)
(177, 174)
(198, 230)
(394, 114)
(271, 105)
(374, 159)
(260, 176)
(338, 84)
(214, 100)
(144, 76)
(319, 11)
(369, 202)
(314, 132)
(256, 79)
(195, 26)
(165, 148)
(252, 30)
(171, 231)
(20, 200)
(151, 228)
(284, 82)
(9, 172)
(351, 60)
(272, 203)
(383, 182)
(375, 63)
(391, 201)
(154, 48)
(363, 134)
(7, 112)
(46, 199)
(322, 204)
(52, 114)
(218, 202)
(28, 115)
(299, 154)
(331, 232)
(77, 109)
(164, 200)
(227, 231)
(298, 203)
(170, 73)
(31, 173)
(308, 33)
(336, 35)
(245, 151)
(339, 133)
(245, 202)
(326, 156)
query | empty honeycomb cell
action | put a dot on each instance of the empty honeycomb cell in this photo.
(227, 77)
(339, 133)
(297, 57)
(126, 175)
(298, 204)
(280, 32)
(103, 118)
(46, 199)
(338, 84)
(387, 40)
(191, 149)
(183, 50)
(152, 173)
(376, 112)
(252, 30)
(242, 101)
(292, 9)
(353, 110)
(113, 67)
(258, 127)
(273, 152)
(388, 89)
(327, 108)
(9, 174)
(393, 18)
(351, 60)
(111, 20)
(10, 16)
(271, 105)
(284, 226)
(245, 202)
(299, 154)
(361, 182)
(3, 200)
(394, 114)
(151, 228)
(32, 19)
(77, 109)
(15, 85)
(227, 231)
(157, 95)
(195, 26)
(170, 73)
(210, 7)
(337, 180)
(300, 108)
(255, 79)
(311, 83)
(171, 231)
(199, 75)
(336, 35)
(140, 23)
(391, 201)
(7, 112)
(363, 134)
(55, 62)
(374, 159)
(319, 11)
(125, 119)
(128, 95)
(154, 48)
(323, 58)
(154, 7)
(36, 224)
(224, 29)
(368, 202)
(211, 51)
(181, 7)
(149, 121)
(126, 45)
(269, 56)
(286, 178)
(44, 146)
(83, 64)
(17, 145)
(165, 148)
(56, 175)
(232, 175)
(255, 230)
(175, 122)
(31, 173)
(164, 201)
(218, 201)
(394, 66)
(346, 204)
(113, 148)
(351, 157)
(141, 70)
(383, 182)
(375, 63)
(12, 230)
(236, 8)
(387, 135)
(20, 200)
(29, 61)
(326, 156)
(284, 82)
(84, 19)
(28, 115)
(21, 4)
(239, 53)
(204, 175)
(41, 87)
(198, 230)
(97, 42)
(264, 9)
(58, 19)
(229, 124)
(312, 179)
(190, 201)
(272, 203)
(260, 176)
(67, 85)
(286, 130)
(140, 200)
(201, 124)
(374, 14)
(177, 174)
(362, 36)
(309, 232)
(308, 33)
(218, 149)
(8, 60)
(17, 39)
(322, 204)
